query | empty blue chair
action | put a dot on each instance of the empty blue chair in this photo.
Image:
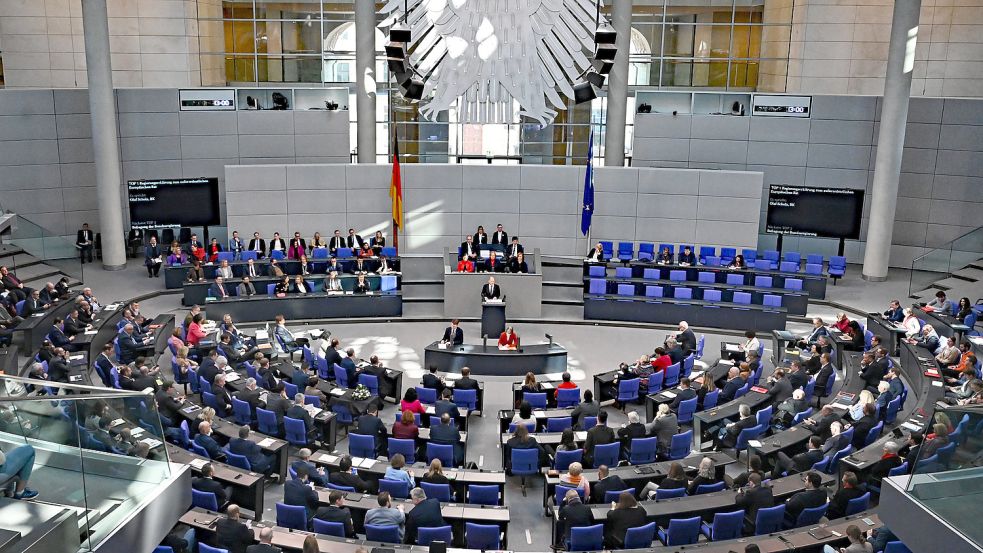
(677, 276)
(710, 488)
(874, 433)
(793, 284)
(360, 445)
(270, 288)
(762, 281)
(815, 259)
(239, 461)
(626, 289)
(681, 531)
(679, 448)
(727, 255)
(267, 422)
(589, 422)
(297, 432)
(814, 269)
(165, 549)
(750, 256)
(292, 389)
(712, 261)
(312, 400)
(439, 533)
(384, 533)
(743, 298)
(205, 500)
(810, 516)
(330, 485)
(726, 526)
(567, 397)
(627, 390)
(482, 495)
(640, 537)
(792, 257)
(598, 287)
(837, 456)
(771, 300)
(683, 293)
(607, 454)
(772, 257)
(607, 248)
(646, 251)
(406, 447)
(711, 295)
(336, 529)
(749, 434)
(558, 424)
(788, 267)
(622, 272)
(626, 251)
(670, 493)
(688, 363)
(465, 399)
(764, 414)
(769, 520)
(586, 538)
(291, 516)
(642, 450)
(426, 395)
(396, 488)
(536, 400)
(483, 537)
(823, 464)
(837, 266)
(761, 265)
(651, 274)
(371, 382)
(341, 376)
(706, 277)
(735, 279)
(655, 382)
(525, 462)
(799, 417)
(857, 504)
(597, 271)
(671, 375)
(891, 412)
(564, 458)
(341, 253)
(444, 452)
(653, 292)
(247, 255)
(686, 410)
(241, 412)
(705, 252)
(710, 400)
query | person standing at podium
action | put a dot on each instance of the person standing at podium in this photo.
(491, 291)
(508, 340)
(453, 334)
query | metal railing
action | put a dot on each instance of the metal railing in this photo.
(941, 262)
(56, 250)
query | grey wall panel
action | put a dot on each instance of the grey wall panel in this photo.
(662, 125)
(209, 147)
(555, 202)
(836, 178)
(321, 122)
(27, 127)
(266, 225)
(430, 199)
(150, 148)
(921, 135)
(74, 125)
(662, 149)
(720, 127)
(961, 163)
(960, 213)
(919, 160)
(727, 233)
(777, 153)
(271, 177)
(256, 202)
(559, 246)
(208, 123)
(316, 201)
(147, 100)
(924, 110)
(37, 201)
(69, 101)
(280, 160)
(718, 151)
(843, 157)
(615, 203)
(27, 102)
(915, 185)
(948, 187)
(213, 168)
(909, 233)
(265, 122)
(16, 177)
(265, 145)
(713, 208)
(316, 145)
(667, 181)
(322, 159)
(370, 199)
(149, 124)
(844, 108)
(435, 224)
(913, 209)
(315, 177)
(371, 176)
(80, 199)
(777, 174)
(775, 129)
(533, 177)
(507, 178)
(959, 111)
(611, 227)
(730, 183)
(29, 152)
(75, 150)
(841, 132)
(509, 221)
(665, 206)
(548, 226)
(961, 137)
(82, 175)
(616, 179)
(422, 176)
(938, 235)
(680, 231)
(489, 200)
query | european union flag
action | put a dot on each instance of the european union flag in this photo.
(588, 208)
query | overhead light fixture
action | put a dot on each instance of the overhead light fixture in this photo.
(412, 89)
(595, 79)
(606, 52)
(603, 66)
(583, 93)
(605, 34)
(400, 33)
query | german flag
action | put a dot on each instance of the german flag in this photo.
(396, 194)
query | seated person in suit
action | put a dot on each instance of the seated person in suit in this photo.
(335, 511)
(246, 288)
(425, 514)
(447, 434)
(686, 257)
(361, 285)
(298, 412)
(752, 498)
(370, 424)
(606, 482)
(664, 257)
(432, 380)
(812, 496)
(445, 405)
(299, 286)
(218, 289)
(205, 440)
(728, 435)
(518, 264)
(469, 250)
(494, 264)
(207, 483)
(514, 249)
(573, 513)
(596, 254)
(297, 492)
(332, 283)
(849, 489)
(282, 287)
(386, 515)
(685, 392)
(799, 463)
(345, 477)
(258, 461)
(466, 382)
(453, 334)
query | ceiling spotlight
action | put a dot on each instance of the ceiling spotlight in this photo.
(606, 52)
(584, 92)
(605, 34)
(399, 33)
(396, 50)
(603, 66)
(412, 89)
(595, 79)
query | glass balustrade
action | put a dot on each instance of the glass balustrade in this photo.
(941, 262)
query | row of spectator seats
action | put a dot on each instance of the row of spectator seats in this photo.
(705, 277)
(707, 255)
(599, 287)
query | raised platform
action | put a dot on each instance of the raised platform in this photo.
(490, 361)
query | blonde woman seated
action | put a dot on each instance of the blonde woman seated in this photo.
(574, 478)
(857, 410)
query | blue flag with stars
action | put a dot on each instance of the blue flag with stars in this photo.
(588, 208)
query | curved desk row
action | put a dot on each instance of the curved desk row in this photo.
(36, 327)
(195, 293)
(489, 360)
(795, 301)
(308, 306)
(814, 284)
(175, 275)
(695, 312)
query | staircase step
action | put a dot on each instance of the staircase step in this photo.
(578, 301)
(563, 312)
(423, 309)
(413, 291)
(970, 273)
(563, 293)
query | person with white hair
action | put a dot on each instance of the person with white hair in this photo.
(911, 324)
(686, 338)
(664, 427)
(884, 396)
(790, 407)
(728, 435)
(425, 514)
(634, 429)
(836, 440)
(706, 474)
(889, 460)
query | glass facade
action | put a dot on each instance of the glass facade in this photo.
(674, 44)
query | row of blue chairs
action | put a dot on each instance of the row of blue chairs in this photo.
(703, 277)
(707, 254)
(599, 287)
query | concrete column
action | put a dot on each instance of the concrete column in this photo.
(617, 117)
(890, 141)
(365, 80)
(105, 144)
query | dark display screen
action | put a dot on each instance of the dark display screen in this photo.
(821, 212)
(173, 202)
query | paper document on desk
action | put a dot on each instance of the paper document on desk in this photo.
(669, 394)
(539, 414)
(90, 332)
(312, 410)
(357, 461)
(198, 463)
(580, 436)
(754, 443)
(262, 335)
(330, 459)
(267, 442)
(152, 443)
(911, 427)
(338, 392)
(732, 347)
(76, 357)
(232, 377)
(366, 463)
(695, 374)
(137, 432)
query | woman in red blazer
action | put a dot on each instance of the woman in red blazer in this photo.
(508, 340)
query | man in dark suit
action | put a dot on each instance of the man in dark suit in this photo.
(337, 241)
(779, 388)
(491, 291)
(258, 461)
(129, 344)
(315, 473)
(335, 511)
(634, 429)
(573, 514)
(348, 363)
(277, 244)
(425, 514)
(446, 405)
(58, 366)
(827, 416)
(801, 462)
(192, 245)
(686, 338)
(218, 289)
(166, 404)
(251, 395)
(466, 382)
(257, 245)
(453, 334)
(797, 377)
(205, 440)
(446, 434)
(514, 249)
(222, 396)
(871, 372)
(686, 257)
(469, 250)
(599, 435)
(370, 424)
(205, 483)
(728, 437)
(863, 426)
(299, 492)
(733, 384)
(500, 237)
(33, 304)
(826, 370)
(71, 325)
(849, 489)
(83, 241)
(682, 394)
(432, 381)
(278, 402)
(605, 483)
(344, 477)
(231, 534)
(752, 498)
(265, 544)
(297, 412)
(812, 496)
(332, 353)
(58, 336)
(104, 364)
(353, 240)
